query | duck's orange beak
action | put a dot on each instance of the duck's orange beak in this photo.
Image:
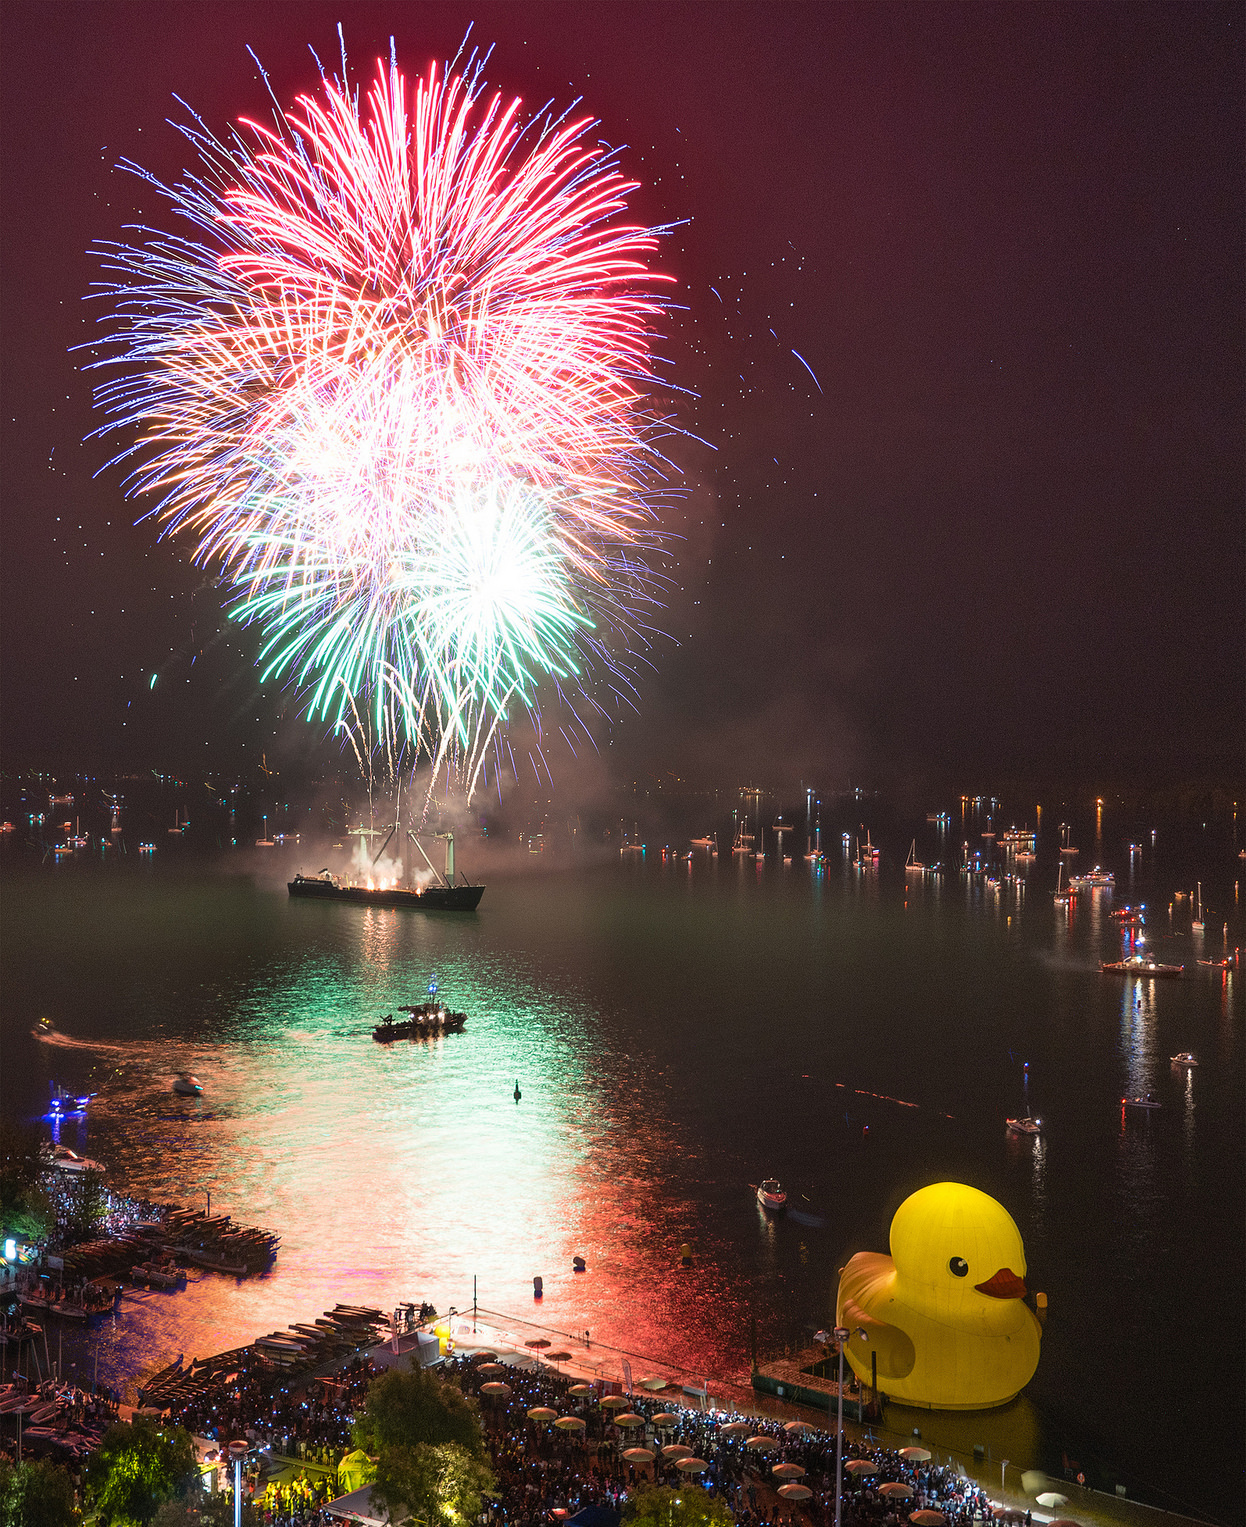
(1003, 1285)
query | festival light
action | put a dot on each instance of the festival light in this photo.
(394, 383)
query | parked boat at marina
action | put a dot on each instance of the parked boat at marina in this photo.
(1025, 1126)
(1139, 965)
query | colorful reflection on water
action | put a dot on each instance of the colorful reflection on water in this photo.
(677, 1032)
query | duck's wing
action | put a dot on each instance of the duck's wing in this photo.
(865, 1286)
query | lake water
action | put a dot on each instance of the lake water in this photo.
(678, 1031)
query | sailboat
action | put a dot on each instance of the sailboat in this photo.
(1062, 897)
(1196, 925)
(1066, 847)
(912, 865)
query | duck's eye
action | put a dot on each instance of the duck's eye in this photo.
(958, 1267)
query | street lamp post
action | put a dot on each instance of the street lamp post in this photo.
(841, 1336)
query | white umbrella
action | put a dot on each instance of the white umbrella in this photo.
(653, 1384)
(692, 1465)
(665, 1418)
(676, 1450)
(894, 1490)
(638, 1455)
(1051, 1499)
(763, 1444)
(795, 1492)
(861, 1466)
(797, 1426)
(629, 1418)
(787, 1470)
(915, 1454)
(732, 1428)
(928, 1518)
(569, 1424)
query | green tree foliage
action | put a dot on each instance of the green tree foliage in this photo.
(35, 1494)
(25, 1207)
(201, 1510)
(136, 1468)
(406, 1408)
(687, 1507)
(441, 1485)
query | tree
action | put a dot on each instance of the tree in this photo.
(407, 1408)
(687, 1507)
(206, 1511)
(84, 1205)
(442, 1485)
(25, 1207)
(35, 1494)
(136, 1468)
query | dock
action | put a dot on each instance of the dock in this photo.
(797, 1379)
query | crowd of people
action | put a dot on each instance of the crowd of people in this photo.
(545, 1474)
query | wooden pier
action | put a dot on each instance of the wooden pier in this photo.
(795, 1379)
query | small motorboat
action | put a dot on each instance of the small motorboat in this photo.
(770, 1195)
(1026, 1126)
(1184, 1059)
(1139, 965)
(187, 1086)
(1146, 1102)
(65, 1160)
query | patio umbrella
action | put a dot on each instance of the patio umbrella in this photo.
(734, 1428)
(495, 1387)
(692, 1465)
(629, 1418)
(665, 1418)
(1034, 1480)
(928, 1518)
(558, 1357)
(894, 1490)
(616, 1402)
(916, 1454)
(638, 1455)
(797, 1426)
(580, 1390)
(795, 1492)
(763, 1444)
(483, 1354)
(492, 1368)
(787, 1470)
(1063, 1521)
(860, 1466)
(676, 1451)
(1051, 1499)
(569, 1424)
(538, 1341)
(653, 1384)
(542, 1413)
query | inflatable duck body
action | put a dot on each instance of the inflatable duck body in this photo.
(944, 1312)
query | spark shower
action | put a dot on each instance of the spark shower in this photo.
(394, 382)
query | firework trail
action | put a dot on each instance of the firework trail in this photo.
(394, 385)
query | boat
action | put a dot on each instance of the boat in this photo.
(1196, 923)
(65, 1160)
(912, 865)
(1139, 965)
(770, 1195)
(1131, 916)
(1062, 897)
(1096, 879)
(1184, 1059)
(706, 843)
(1026, 1126)
(433, 898)
(1146, 1102)
(67, 1102)
(187, 1086)
(158, 1275)
(427, 1019)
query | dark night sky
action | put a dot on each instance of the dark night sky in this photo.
(1006, 536)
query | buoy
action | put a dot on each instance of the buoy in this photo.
(685, 1255)
(538, 1288)
(578, 1264)
(518, 1094)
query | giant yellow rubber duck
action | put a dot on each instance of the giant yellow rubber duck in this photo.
(945, 1311)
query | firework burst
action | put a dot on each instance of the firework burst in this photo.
(394, 385)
